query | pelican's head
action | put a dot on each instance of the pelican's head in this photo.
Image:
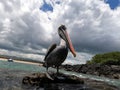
(62, 31)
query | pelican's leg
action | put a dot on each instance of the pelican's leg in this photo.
(47, 74)
(57, 69)
(45, 64)
(47, 69)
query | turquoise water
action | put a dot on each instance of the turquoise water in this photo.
(36, 68)
(21, 66)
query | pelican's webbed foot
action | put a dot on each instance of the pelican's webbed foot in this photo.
(48, 76)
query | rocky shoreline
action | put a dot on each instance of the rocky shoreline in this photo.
(64, 82)
(109, 71)
(27, 80)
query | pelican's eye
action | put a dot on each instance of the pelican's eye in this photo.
(62, 27)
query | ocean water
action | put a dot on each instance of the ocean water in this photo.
(21, 66)
(36, 68)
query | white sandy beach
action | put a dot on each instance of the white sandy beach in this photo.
(19, 61)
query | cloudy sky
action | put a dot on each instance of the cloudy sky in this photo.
(29, 27)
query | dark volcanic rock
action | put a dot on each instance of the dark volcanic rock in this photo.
(23, 80)
(64, 82)
(39, 79)
(110, 71)
(59, 82)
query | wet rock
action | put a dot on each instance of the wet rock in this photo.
(23, 80)
(116, 76)
(59, 82)
(64, 82)
(39, 79)
(110, 71)
(97, 85)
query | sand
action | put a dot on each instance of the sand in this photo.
(25, 62)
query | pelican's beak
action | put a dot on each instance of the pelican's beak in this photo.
(69, 43)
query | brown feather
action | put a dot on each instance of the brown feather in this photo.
(50, 49)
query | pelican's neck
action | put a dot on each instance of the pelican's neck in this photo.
(62, 43)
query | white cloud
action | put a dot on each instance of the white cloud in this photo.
(22, 55)
(92, 25)
(80, 59)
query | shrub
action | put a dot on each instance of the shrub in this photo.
(112, 58)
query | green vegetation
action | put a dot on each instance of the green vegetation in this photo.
(112, 58)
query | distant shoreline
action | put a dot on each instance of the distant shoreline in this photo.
(25, 62)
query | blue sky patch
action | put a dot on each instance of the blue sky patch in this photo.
(46, 7)
(113, 3)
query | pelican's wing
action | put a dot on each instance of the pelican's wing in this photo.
(50, 49)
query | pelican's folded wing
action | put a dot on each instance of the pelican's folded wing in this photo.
(50, 49)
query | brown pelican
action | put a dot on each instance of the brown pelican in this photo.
(56, 55)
